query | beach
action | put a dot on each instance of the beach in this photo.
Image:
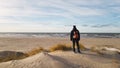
(24, 44)
(59, 33)
(59, 59)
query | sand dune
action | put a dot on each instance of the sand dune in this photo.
(41, 60)
(62, 59)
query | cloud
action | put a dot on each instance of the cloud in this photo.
(116, 9)
(74, 9)
(104, 25)
(30, 27)
(85, 2)
(67, 8)
(85, 25)
(21, 7)
(55, 13)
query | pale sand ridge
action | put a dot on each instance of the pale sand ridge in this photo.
(61, 59)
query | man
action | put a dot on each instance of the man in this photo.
(75, 38)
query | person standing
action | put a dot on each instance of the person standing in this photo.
(75, 38)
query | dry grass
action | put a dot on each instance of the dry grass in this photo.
(82, 47)
(35, 51)
(11, 55)
(95, 49)
(62, 47)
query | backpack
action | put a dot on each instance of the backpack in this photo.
(75, 34)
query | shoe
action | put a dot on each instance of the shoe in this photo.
(74, 51)
(79, 51)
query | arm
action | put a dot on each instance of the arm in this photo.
(78, 35)
(71, 35)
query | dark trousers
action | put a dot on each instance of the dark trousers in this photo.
(75, 42)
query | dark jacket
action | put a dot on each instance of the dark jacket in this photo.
(72, 33)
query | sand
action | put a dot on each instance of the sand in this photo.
(25, 44)
(60, 59)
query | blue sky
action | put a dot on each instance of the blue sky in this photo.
(59, 15)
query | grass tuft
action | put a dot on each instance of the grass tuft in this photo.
(62, 47)
(11, 55)
(82, 47)
(97, 50)
(35, 51)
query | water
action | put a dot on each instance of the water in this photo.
(34, 34)
(83, 35)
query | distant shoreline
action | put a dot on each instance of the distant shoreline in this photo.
(62, 32)
(83, 35)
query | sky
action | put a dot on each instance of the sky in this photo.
(60, 15)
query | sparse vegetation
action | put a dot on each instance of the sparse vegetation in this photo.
(82, 47)
(11, 55)
(62, 47)
(35, 51)
(105, 50)
(95, 49)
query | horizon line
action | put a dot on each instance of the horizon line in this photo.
(58, 32)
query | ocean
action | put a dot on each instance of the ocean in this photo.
(83, 35)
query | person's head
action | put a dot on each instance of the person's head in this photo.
(74, 27)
